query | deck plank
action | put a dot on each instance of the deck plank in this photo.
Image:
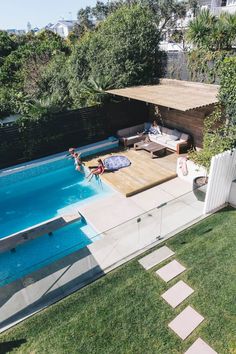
(143, 173)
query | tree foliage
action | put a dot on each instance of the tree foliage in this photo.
(7, 44)
(212, 39)
(114, 44)
(217, 138)
(227, 93)
(211, 32)
(22, 69)
(219, 133)
(122, 49)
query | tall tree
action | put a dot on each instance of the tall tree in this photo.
(7, 44)
(211, 32)
(122, 50)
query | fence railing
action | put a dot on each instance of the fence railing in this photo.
(222, 173)
(58, 132)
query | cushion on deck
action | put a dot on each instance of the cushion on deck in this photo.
(114, 163)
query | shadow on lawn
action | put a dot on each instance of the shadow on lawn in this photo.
(7, 347)
(22, 297)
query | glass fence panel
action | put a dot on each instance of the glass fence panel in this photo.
(126, 238)
(180, 212)
(54, 278)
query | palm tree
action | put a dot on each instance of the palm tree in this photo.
(200, 29)
(226, 30)
(211, 32)
(93, 90)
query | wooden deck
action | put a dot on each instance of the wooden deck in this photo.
(143, 173)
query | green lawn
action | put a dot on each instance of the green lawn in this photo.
(123, 312)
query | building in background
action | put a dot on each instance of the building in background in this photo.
(16, 32)
(218, 6)
(62, 27)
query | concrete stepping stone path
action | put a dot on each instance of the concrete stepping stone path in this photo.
(170, 271)
(156, 257)
(177, 293)
(200, 347)
(186, 322)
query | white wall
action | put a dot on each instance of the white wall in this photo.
(232, 194)
(222, 173)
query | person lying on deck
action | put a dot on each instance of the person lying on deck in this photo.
(97, 171)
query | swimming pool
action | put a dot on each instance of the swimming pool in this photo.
(44, 250)
(35, 194)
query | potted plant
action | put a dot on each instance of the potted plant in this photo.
(200, 158)
(217, 138)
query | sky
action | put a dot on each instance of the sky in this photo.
(17, 13)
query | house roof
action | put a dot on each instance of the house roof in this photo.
(177, 94)
(64, 23)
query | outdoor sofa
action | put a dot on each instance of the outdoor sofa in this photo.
(129, 136)
(172, 139)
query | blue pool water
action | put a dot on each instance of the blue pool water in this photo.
(44, 250)
(33, 195)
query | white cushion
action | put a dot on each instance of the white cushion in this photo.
(172, 143)
(132, 137)
(184, 136)
(173, 137)
(177, 133)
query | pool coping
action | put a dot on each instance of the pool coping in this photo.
(10, 242)
(85, 151)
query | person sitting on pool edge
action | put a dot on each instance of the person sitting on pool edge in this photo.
(78, 162)
(97, 171)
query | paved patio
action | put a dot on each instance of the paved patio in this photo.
(107, 213)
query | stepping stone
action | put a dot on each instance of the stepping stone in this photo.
(170, 271)
(186, 322)
(156, 257)
(199, 346)
(177, 293)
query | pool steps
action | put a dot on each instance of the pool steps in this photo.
(18, 238)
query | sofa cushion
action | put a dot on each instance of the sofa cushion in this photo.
(136, 129)
(123, 133)
(177, 133)
(147, 126)
(184, 137)
(172, 144)
(126, 132)
(167, 131)
(172, 137)
(161, 139)
(132, 137)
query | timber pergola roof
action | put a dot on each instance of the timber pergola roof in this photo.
(177, 94)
